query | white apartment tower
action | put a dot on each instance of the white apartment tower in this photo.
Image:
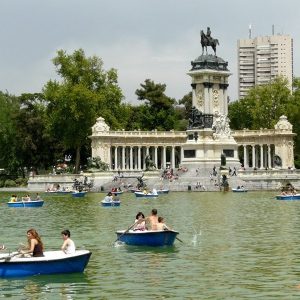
(262, 59)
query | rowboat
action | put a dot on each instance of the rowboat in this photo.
(117, 192)
(110, 203)
(288, 197)
(145, 195)
(163, 191)
(31, 203)
(59, 192)
(53, 262)
(78, 194)
(147, 238)
(239, 190)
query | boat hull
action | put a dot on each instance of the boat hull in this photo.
(54, 262)
(58, 193)
(110, 204)
(36, 203)
(117, 193)
(162, 191)
(147, 238)
(143, 195)
(288, 197)
(239, 190)
(78, 194)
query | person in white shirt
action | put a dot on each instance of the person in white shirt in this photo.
(68, 245)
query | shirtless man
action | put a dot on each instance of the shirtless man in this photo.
(153, 219)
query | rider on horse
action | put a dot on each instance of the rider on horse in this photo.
(208, 34)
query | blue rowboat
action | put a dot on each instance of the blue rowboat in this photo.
(53, 262)
(288, 197)
(147, 238)
(78, 194)
(110, 203)
(145, 195)
(31, 203)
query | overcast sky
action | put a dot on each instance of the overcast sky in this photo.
(155, 39)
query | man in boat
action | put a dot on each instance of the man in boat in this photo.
(152, 219)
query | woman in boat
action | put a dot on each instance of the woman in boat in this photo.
(68, 245)
(35, 245)
(140, 223)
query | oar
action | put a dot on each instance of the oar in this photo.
(9, 257)
(177, 238)
(125, 232)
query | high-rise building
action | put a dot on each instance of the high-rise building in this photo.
(263, 58)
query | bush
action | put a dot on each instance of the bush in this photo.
(1, 183)
(21, 181)
(10, 183)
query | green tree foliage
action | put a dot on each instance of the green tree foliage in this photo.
(37, 149)
(158, 110)
(262, 106)
(9, 145)
(187, 101)
(293, 114)
(85, 92)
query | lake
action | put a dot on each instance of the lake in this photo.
(235, 246)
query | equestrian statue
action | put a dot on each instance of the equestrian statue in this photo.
(207, 40)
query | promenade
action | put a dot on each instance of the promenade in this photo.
(191, 180)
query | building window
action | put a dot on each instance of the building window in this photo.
(228, 152)
(189, 153)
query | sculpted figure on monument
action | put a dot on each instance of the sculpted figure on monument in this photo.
(207, 40)
(196, 119)
(221, 126)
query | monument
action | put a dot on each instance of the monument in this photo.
(209, 134)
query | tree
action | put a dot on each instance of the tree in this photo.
(159, 112)
(9, 145)
(293, 114)
(86, 91)
(262, 106)
(187, 101)
(37, 148)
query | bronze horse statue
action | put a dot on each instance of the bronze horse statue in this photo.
(205, 41)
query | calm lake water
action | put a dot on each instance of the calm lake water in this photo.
(235, 246)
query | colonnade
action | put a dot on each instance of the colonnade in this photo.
(134, 157)
(259, 156)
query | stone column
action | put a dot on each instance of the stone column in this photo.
(245, 157)
(261, 156)
(116, 158)
(253, 156)
(181, 154)
(269, 157)
(173, 158)
(164, 157)
(131, 158)
(139, 157)
(123, 157)
(155, 156)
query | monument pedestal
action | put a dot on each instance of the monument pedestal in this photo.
(209, 134)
